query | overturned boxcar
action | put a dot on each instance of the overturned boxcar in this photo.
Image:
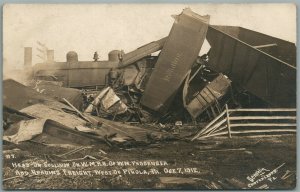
(261, 64)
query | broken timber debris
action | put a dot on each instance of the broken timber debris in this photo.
(24, 130)
(45, 130)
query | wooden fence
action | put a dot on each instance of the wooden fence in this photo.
(250, 121)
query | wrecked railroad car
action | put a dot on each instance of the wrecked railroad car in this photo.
(179, 53)
(199, 96)
(96, 73)
(261, 64)
(246, 56)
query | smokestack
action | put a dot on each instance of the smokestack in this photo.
(27, 57)
(50, 55)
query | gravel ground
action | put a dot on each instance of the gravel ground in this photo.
(218, 163)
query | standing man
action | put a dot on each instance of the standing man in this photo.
(96, 56)
(120, 55)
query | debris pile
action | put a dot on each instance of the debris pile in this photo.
(143, 98)
(136, 99)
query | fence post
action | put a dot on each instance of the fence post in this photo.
(228, 122)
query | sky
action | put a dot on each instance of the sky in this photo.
(86, 28)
